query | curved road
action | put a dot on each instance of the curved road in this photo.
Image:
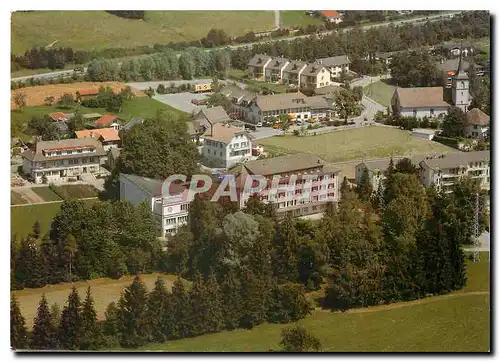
(422, 19)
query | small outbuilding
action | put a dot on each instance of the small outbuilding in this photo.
(427, 134)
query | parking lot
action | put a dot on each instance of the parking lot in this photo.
(182, 101)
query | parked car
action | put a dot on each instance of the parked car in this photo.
(259, 124)
(195, 102)
(78, 69)
(255, 152)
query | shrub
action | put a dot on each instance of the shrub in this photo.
(298, 339)
(290, 304)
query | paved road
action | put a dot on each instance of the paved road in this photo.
(422, 19)
(64, 73)
(265, 132)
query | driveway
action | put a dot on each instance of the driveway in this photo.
(182, 101)
(265, 132)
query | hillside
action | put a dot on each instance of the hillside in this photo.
(89, 30)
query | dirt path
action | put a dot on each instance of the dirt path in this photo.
(406, 304)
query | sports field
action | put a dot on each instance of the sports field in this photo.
(354, 144)
(94, 30)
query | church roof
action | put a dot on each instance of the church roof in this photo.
(421, 97)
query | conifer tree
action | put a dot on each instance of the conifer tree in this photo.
(198, 307)
(134, 331)
(157, 309)
(36, 230)
(364, 189)
(91, 333)
(70, 325)
(55, 312)
(180, 311)
(44, 336)
(111, 326)
(344, 187)
(215, 311)
(231, 299)
(285, 253)
(254, 296)
(18, 331)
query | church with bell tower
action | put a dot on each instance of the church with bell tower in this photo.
(460, 87)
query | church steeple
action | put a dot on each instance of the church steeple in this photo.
(460, 86)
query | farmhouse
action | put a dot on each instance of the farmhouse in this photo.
(447, 169)
(63, 160)
(335, 64)
(210, 116)
(108, 120)
(225, 145)
(107, 136)
(332, 16)
(306, 194)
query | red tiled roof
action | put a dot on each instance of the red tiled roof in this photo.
(107, 134)
(478, 117)
(89, 92)
(330, 13)
(58, 116)
(68, 148)
(105, 120)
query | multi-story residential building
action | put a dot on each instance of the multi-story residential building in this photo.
(314, 76)
(447, 169)
(320, 106)
(477, 125)
(107, 136)
(63, 160)
(170, 211)
(257, 66)
(274, 70)
(306, 183)
(292, 72)
(240, 100)
(293, 104)
(226, 145)
(335, 64)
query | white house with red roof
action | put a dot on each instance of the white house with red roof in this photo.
(332, 16)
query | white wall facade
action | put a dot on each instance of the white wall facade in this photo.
(220, 154)
(476, 131)
(421, 112)
(444, 179)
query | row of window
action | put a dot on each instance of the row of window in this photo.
(76, 161)
(176, 220)
(69, 152)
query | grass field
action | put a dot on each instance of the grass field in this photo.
(454, 322)
(297, 17)
(46, 193)
(104, 291)
(74, 191)
(380, 92)
(23, 217)
(366, 142)
(87, 30)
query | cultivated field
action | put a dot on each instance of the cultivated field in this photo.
(104, 291)
(35, 96)
(380, 92)
(93, 30)
(455, 322)
(75, 191)
(354, 144)
(46, 193)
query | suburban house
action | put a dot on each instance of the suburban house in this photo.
(107, 136)
(257, 65)
(170, 210)
(225, 145)
(196, 130)
(335, 64)
(477, 125)
(332, 16)
(447, 169)
(293, 104)
(315, 75)
(292, 72)
(63, 160)
(274, 70)
(87, 93)
(208, 117)
(58, 117)
(294, 197)
(108, 120)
